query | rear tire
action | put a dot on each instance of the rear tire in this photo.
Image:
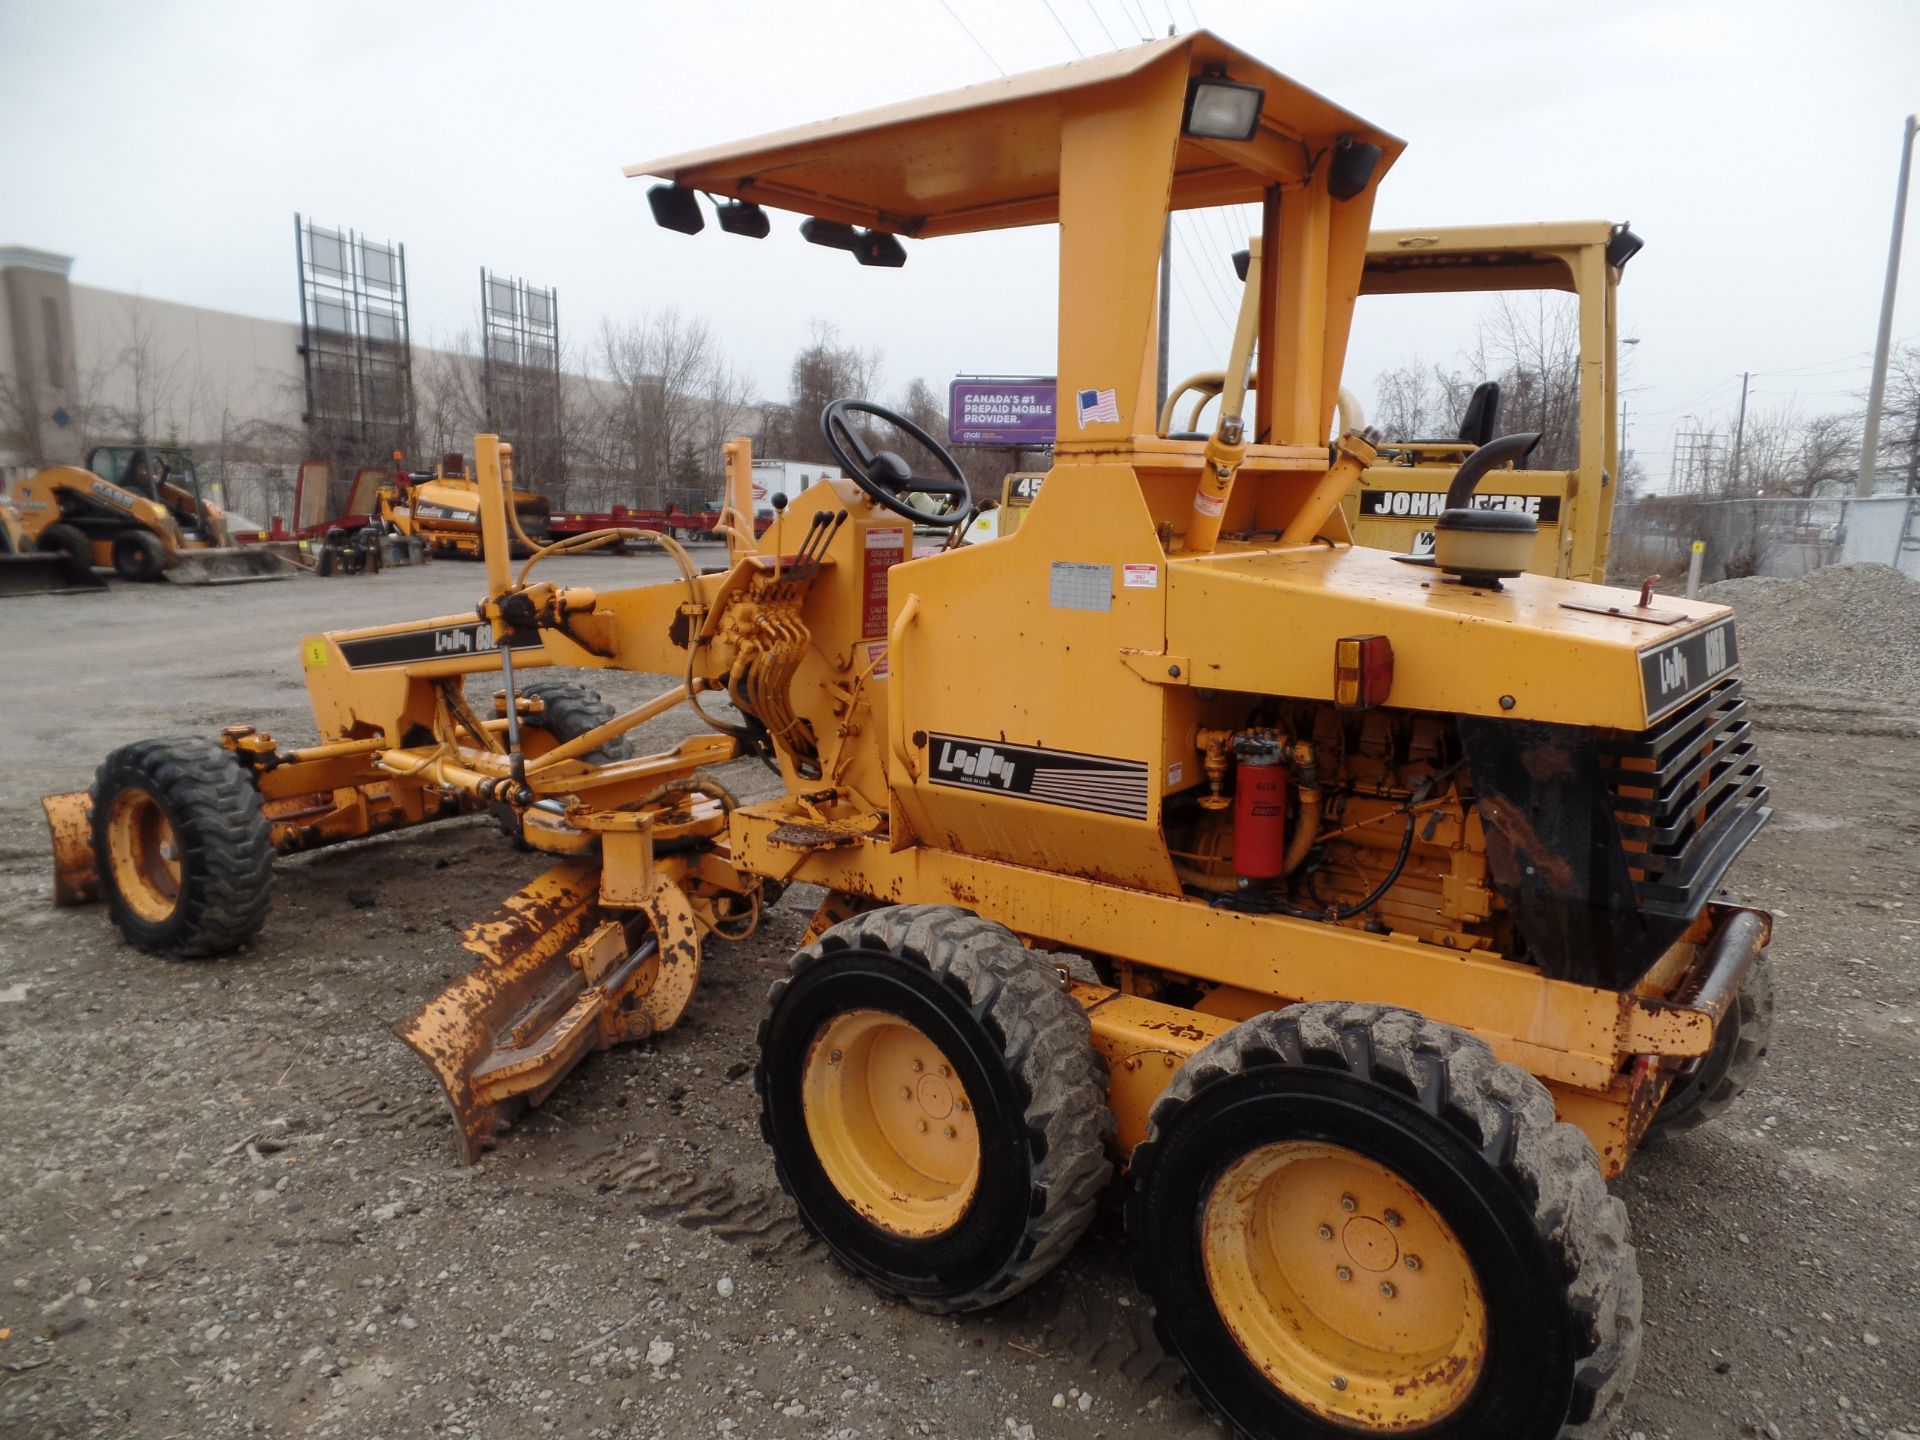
(1469, 1276)
(184, 849)
(66, 540)
(572, 709)
(139, 555)
(934, 1104)
(1724, 1072)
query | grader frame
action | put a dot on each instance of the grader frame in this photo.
(1000, 760)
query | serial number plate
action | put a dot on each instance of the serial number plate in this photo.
(1676, 670)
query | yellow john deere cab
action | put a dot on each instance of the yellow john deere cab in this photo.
(1363, 912)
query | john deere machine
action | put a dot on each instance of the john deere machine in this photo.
(1362, 913)
(141, 510)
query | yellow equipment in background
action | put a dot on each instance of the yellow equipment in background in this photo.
(443, 509)
(1399, 499)
(25, 570)
(1362, 911)
(140, 509)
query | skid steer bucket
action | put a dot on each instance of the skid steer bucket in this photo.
(234, 566)
(46, 574)
(559, 977)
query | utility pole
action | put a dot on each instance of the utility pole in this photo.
(1739, 429)
(1877, 394)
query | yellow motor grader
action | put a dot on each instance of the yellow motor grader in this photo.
(1363, 912)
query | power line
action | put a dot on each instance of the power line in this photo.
(973, 37)
(1207, 286)
(1688, 404)
(1063, 29)
(1146, 25)
(1103, 25)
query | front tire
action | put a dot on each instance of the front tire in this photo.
(569, 711)
(1724, 1072)
(67, 540)
(184, 849)
(934, 1104)
(1355, 1221)
(139, 555)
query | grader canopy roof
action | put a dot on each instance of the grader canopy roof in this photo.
(989, 156)
(1105, 147)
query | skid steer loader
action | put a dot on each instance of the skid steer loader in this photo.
(1364, 913)
(140, 510)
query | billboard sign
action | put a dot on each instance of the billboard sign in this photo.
(1011, 410)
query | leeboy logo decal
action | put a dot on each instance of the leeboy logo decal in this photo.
(443, 642)
(1673, 673)
(1051, 777)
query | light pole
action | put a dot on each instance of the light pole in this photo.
(1877, 393)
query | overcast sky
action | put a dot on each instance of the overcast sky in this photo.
(166, 146)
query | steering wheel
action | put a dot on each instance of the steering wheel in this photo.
(884, 476)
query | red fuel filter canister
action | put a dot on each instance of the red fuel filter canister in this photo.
(1259, 809)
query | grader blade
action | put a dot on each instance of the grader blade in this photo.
(559, 977)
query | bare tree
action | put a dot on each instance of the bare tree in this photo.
(1528, 343)
(1900, 419)
(667, 378)
(449, 409)
(825, 370)
(147, 377)
(1408, 403)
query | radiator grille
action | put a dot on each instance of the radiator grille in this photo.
(1688, 795)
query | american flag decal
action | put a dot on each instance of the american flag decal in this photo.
(1097, 407)
(1101, 783)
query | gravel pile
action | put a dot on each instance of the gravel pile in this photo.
(1852, 628)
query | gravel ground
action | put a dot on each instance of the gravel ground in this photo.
(1853, 628)
(229, 1203)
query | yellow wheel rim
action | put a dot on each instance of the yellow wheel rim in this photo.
(144, 851)
(891, 1123)
(1344, 1286)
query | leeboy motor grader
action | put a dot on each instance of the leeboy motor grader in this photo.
(1362, 912)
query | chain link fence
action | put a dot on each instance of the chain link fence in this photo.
(1654, 535)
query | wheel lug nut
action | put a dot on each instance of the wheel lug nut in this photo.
(1339, 1382)
(906, 1092)
(1392, 1217)
(921, 1126)
(951, 1132)
(834, 1058)
(1326, 1232)
(947, 1070)
(1386, 1289)
(1347, 1202)
(918, 1066)
(1343, 1272)
(1413, 1262)
(966, 1106)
